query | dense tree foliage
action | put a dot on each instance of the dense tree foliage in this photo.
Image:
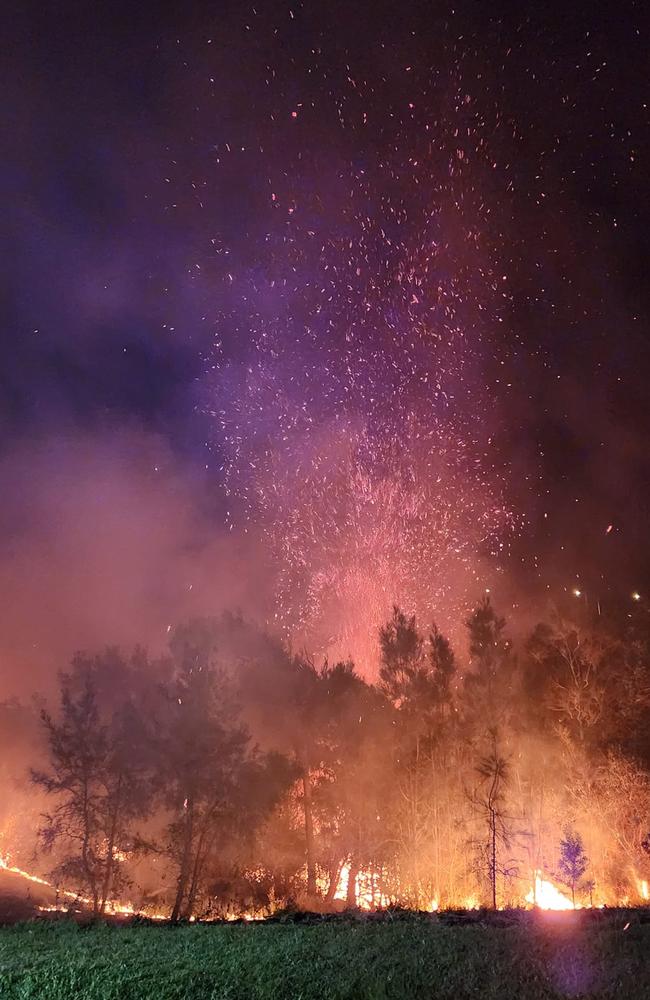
(232, 775)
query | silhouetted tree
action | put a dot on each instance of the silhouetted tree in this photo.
(416, 674)
(202, 751)
(443, 665)
(489, 800)
(488, 685)
(565, 671)
(573, 861)
(403, 657)
(353, 800)
(95, 776)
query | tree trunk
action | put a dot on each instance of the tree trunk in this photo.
(351, 896)
(416, 822)
(110, 858)
(196, 872)
(335, 875)
(186, 860)
(494, 863)
(309, 833)
(85, 849)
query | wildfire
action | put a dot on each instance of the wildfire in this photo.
(368, 896)
(547, 896)
(544, 895)
(123, 909)
(4, 864)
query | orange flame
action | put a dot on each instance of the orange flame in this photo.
(124, 909)
(547, 896)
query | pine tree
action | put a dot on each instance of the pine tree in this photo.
(489, 800)
(96, 776)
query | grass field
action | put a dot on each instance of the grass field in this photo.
(561, 955)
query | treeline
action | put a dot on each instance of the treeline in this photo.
(231, 775)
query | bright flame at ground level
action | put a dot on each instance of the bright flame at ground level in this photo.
(547, 896)
(113, 907)
(367, 894)
(543, 895)
(4, 864)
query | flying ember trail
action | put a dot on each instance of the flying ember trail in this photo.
(358, 430)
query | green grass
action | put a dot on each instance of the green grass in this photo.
(544, 956)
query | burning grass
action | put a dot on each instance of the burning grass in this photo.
(509, 954)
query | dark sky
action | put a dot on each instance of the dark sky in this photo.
(141, 144)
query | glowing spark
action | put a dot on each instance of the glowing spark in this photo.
(356, 429)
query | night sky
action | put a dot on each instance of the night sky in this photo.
(168, 170)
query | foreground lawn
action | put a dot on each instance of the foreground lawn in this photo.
(561, 955)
